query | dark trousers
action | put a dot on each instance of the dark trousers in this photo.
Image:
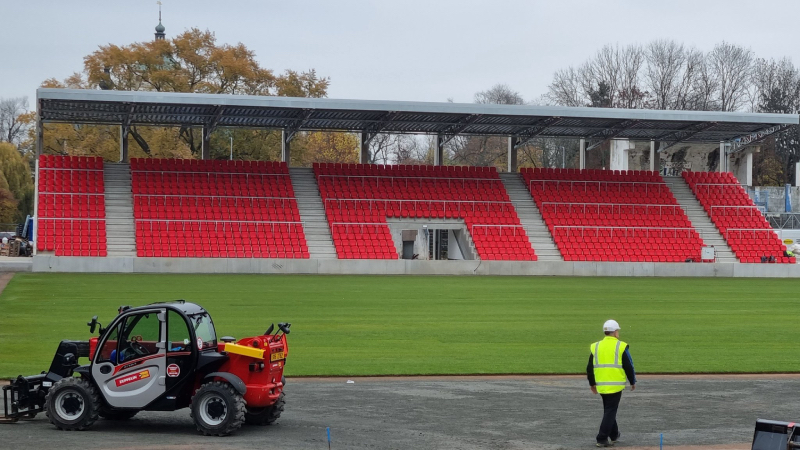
(608, 427)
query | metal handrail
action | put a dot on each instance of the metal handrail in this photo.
(379, 177)
(501, 227)
(221, 221)
(215, 196)
(40, 218)
(72, 193)
(751, 208)
(70, 169)
(181, 172)
(613, 205)
(647, 230)
(415, 202)
(754, 230)
(661, 184)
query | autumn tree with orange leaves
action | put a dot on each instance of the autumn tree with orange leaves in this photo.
(193, 61)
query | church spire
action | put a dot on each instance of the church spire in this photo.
(160, 28)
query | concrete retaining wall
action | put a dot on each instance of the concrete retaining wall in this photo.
(404, 267)
(15, 264)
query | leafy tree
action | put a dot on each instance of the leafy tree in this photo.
(18, 181)
(192, 61)
(329, 147)
(8, 204)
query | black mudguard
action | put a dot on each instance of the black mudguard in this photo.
(235, 381)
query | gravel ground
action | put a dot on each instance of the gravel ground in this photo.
(544, 412)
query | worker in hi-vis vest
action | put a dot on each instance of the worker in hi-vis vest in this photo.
(610, 364)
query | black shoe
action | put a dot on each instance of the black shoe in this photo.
(614, 440)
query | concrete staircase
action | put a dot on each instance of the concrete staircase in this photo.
(120, 231)
(700, 220)
(530, 218)
(312, 213)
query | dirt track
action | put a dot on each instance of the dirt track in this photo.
(558, 412)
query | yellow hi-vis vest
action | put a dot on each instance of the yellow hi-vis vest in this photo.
(607, 359)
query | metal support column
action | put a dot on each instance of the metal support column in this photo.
(123, 144)
(512, 153)
(582, 154)
(206, 150)
(438, 155)
(286, 152)
(39, 137)
(797, 174)
(364, 154)
(748, 169)
(652, 154)
(722, 157)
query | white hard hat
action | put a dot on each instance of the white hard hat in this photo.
(610, 325)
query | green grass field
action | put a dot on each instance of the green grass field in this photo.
(370, 325)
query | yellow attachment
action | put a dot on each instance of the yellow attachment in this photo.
(244, 350)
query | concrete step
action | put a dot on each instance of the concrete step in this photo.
(120, 231)
(709, 233)
(530, 218)
(312, 213)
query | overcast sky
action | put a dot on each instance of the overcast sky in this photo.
(427, 50)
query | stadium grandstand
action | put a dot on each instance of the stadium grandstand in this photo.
(153, 213)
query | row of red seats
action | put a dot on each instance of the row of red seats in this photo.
(389, 191)
(244, 204)
(70, 162)
(628, 245)
(208, 166)
(746, 230)
(404, 170)
(502, 243)
(155, 250)
(585, 202)
(71, 206)
(543, 173)
(71, 237)
(363, 242)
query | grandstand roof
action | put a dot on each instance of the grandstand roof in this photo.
(371, 116)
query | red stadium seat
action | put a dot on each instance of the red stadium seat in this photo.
(599, 215)
(71, 206)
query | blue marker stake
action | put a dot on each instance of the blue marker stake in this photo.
(660, 443)
(329, 437)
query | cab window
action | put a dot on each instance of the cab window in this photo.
(178, 336)
(140, 334)
(108, 352)
(204, 330)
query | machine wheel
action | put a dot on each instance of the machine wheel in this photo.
(217, 409)
(265, 416)
(116, 414)
(72, 404)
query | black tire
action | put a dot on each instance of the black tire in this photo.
(72, 404)
(116, 414)
(266, 416)
(217, 409)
